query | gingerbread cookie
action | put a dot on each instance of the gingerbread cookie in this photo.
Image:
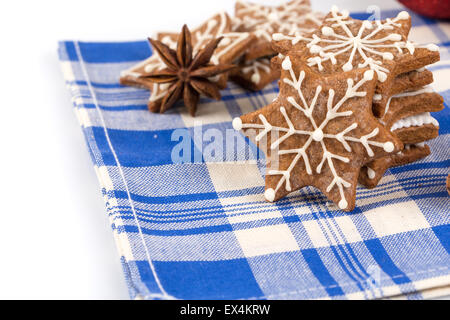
(413, 131)
(409, 84)
(255, 75)
(371, 174)
(400, 102)
(407, 81)
(404, 84)
(321, 132)
(232, 46)
(409, 103)
(412, 79)
(292, 18)
(342, 44)
(417, 128)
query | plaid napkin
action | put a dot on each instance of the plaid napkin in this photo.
(202, 230)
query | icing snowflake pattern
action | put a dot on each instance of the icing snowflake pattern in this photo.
(289, 18)
(366, 42)
(256, 68)
(317, 135)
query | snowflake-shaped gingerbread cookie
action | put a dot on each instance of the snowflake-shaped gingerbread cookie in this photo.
(343, 44)
(319, 132)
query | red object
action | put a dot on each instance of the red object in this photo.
(438, 9)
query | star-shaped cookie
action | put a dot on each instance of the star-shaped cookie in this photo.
(319, 132)
(232, 47)
(343, 44)
(292, 18)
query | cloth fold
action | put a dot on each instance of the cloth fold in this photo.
(202, 230)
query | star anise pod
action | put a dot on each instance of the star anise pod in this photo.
(188, 76)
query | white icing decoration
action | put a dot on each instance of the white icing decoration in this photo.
(343, 204)
(294, 38)
(167, 40)
(432, 47)
(256, 67)
(328, 49)
(426, 89)
(404, 15)
(371, 173)
(415, 121)
(270, 194)
(317, 134)
(278, 36)
(388, 147)
(130, 73)
(408, 146)
(290, 18)
(237, 124)
(230, 40)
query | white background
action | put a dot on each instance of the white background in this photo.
(55, 238)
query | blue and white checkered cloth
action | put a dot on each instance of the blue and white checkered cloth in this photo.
(203, 230)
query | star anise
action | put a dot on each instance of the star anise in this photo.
(188, 76)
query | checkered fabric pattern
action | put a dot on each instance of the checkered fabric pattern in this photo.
(203, 230)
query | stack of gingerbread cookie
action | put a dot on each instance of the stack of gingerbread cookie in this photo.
(291, 18)
(403, 98)
(407, 115)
